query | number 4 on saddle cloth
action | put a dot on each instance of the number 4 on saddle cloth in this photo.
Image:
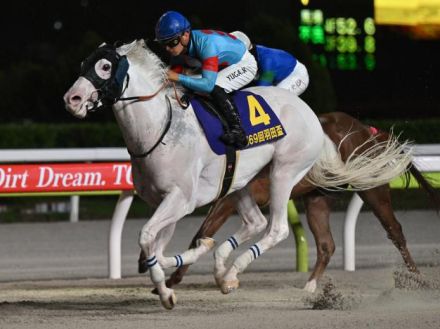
(259, 122)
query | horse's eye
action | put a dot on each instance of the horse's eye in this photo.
(106, 67)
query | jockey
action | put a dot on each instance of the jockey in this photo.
(226, 66)
(277, 67)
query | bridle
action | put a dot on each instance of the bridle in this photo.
(110, 90)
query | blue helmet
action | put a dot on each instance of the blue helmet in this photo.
(170, 25)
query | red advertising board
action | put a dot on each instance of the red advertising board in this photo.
(65, 177)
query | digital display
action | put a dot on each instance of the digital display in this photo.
(339, 40)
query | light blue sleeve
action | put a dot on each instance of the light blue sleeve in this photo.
(204, 84)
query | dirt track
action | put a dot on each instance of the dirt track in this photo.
(44, 269)
(368, 299)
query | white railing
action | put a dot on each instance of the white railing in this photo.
(33, 156)
(427, 159)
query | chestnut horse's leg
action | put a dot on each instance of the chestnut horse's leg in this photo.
(318, 208)
(379, 199)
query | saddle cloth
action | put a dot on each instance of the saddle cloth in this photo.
(259, 122)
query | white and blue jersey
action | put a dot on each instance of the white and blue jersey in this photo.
(279, 68)
(274, 65)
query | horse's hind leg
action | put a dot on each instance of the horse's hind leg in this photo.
(318, 216)
(254, 222)
(283, 178)
(379, 199)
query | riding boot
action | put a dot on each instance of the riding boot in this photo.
(234, 133)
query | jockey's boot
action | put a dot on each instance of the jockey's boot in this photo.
(234, 133)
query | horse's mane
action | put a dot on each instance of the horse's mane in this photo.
(139, 54)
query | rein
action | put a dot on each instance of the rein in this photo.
(167, 127)
(145, 97)
(148, 97)
(170, 112)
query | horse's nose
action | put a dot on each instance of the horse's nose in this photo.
(72, 99)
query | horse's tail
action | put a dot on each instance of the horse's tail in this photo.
(376, 165)
(425, 184)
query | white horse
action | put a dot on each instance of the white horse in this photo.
(175, 170)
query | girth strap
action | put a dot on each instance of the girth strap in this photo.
(228, 177)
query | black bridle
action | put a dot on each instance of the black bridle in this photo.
(110, 90)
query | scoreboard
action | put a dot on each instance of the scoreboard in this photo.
(341, 33)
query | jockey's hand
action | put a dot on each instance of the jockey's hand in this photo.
(173, 76)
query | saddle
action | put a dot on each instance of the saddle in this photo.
(259, 122)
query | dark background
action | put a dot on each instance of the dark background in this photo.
(43, 43)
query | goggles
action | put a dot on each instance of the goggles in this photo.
(171, 43)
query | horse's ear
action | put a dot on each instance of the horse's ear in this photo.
(117, 44)
(142, 42)
(125, 48)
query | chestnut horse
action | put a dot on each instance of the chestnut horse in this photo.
(337, 126)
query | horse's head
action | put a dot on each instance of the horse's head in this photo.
(100, 82)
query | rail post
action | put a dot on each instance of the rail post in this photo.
(302, 258)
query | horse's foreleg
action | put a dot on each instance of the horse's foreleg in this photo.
(318, 215)
(217, 216)
(172, 208)
(190, 256)
(254, 222)
(163, 238)
(379, 199)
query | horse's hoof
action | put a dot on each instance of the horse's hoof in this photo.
(209, 243)
(310, 286)
(229, 286)
(218, 276)
(169, 301)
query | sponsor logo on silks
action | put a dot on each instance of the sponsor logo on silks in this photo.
(237, 73)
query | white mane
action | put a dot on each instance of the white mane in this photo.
(140, 55)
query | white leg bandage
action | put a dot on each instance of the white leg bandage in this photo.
(156, 273)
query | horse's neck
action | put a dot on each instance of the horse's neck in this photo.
(141, 123)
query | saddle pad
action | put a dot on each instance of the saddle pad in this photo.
(260, 123)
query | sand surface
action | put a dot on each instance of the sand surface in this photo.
(367, 298)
